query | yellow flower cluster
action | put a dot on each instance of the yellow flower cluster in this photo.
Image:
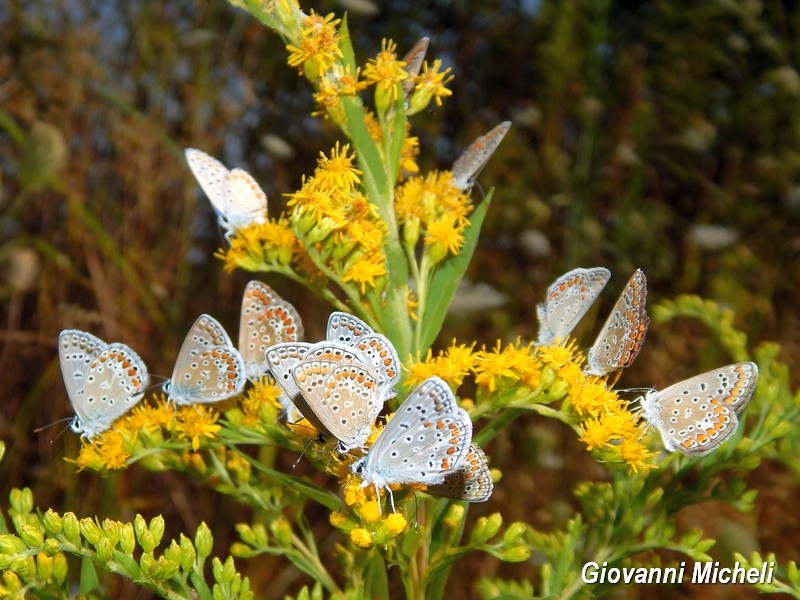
(433, 206)
(331, 213)
(373, 527)
(317, 50)
(523, 374)
(260, 245)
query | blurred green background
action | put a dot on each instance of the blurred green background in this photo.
(657, 134)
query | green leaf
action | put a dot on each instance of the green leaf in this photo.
(89, 582)
(376, 584)
(313, 492)
(447, 276)
(126, 562)
(346, 46)
(200, 586)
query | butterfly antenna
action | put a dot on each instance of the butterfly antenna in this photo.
(49, 425)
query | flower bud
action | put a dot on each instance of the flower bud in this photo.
(90, 531)
(147, 542)
(203, 541)
(139, 526)
(11, 544)
(246, 533)
(147, 564)
(52, 522)
(44, 566)
(240, 550)
(515, 554)
(104, 549)
(21, 500)
(31, 535)
(514, 532)
(60, 568)
(12, 582)
(281, 531)
(51, 546)
(72, 529)
(188, 553)
(173, 552)
(157, 529)
(127, 538)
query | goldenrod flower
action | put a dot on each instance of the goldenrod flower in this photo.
(260, 244)
(317, 50)
(365, 271)
(264, 392)
(596, 433)
(511, 362)
(453, 365)
(635, 454)
(370, 512)
(430, 83)
(338, 170)
(443, 237)
(196, 421)
(555, 356)
(395, 523)
(361, 537)
(386, 72)
(111, 450)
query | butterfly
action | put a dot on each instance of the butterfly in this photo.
(103, 381)
(568, 299)
(696, 415)
(283, 358)
(208, 367)
(266, 320)
(342, 396)
(471, 480)
(237, 198)
(424, 441)
(352, 331)
(467, 166)
(622, 336)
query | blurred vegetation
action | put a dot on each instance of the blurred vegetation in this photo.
(658, 134)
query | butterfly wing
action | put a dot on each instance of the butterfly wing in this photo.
(423, 442)
(211, 175)
(471, 481)
(103, 381)
(623, 333)
(467, 166)
(568, 299)
(346, 329)
(208, 367)
(342, 396)
(383, 358)
(696, 415)
(266, 320)
(243, 201)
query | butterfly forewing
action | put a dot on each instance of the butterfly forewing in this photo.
(210, 174)
(568, 299)
(467, 166)
(266, 320)
(621, 339)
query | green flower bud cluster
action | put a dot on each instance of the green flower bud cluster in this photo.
(34, 557)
